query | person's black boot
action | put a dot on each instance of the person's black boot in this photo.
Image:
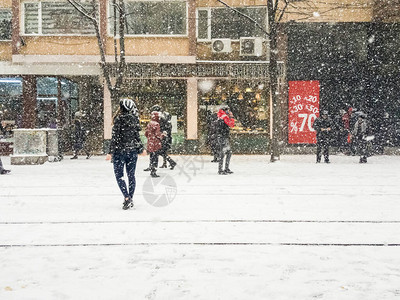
(128, 203)
(172, 164)
(228, 171)
(147, 169)
(153, 173)
(221, 172)
(74, 157)
(4, 171)
(164, 165)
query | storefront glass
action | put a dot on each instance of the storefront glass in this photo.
(10, 104)
(247, 100)
(170, 95)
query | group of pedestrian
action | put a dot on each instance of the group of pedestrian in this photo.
(353, 134)
(159, 140)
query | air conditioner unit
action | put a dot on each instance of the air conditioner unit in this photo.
(251, 46)
(221, 46)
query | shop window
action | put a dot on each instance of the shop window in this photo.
(53, 92)
(10, 104)
(153, 18)
(169, 94)
(247, 100)
(56, 18)
(215, 23)
(5, 24)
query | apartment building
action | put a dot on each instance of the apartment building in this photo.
(190, 56)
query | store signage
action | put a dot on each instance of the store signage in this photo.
(199, 70)
(303, 110)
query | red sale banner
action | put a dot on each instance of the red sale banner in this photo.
(303, 110)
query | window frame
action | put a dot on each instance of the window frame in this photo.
(40, 20)
(209, 13)
(10, 11)
(208, 10)
(186, 34)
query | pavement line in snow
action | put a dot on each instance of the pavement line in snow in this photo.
(200, 221)
(198, 244)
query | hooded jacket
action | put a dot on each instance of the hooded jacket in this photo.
(224, 124)
(125, 133)
(153, 133)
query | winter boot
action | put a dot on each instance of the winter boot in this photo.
(153, 173)
(172, 164)
(147, 169)
(4, 171)
(127, 203)
(228, 171)
(75, 156)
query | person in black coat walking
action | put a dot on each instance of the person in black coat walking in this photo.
(324, 127)
(359, 137)
(2, 170)
(79, 137)
(212, 135)
(125, 147)
(166, 142)
(224, 123)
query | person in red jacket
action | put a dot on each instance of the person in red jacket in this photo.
(154, 138)
(224, 123)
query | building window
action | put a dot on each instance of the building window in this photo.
(55, 18)
(213, 23)
(5, 24)
(153, 18)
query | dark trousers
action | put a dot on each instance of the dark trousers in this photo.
(126, 159)
(154, 160)
(322, 146)
(224, 152)
(361, 147)
(166, 158)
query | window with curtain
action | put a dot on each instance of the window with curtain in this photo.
(226, 23)
(56, 18)
(153, 18)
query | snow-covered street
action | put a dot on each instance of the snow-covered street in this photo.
(292, 229)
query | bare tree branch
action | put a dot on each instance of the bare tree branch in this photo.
(81, 9)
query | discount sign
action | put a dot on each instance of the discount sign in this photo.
(303, 110)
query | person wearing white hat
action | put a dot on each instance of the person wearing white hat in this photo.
(125, 147)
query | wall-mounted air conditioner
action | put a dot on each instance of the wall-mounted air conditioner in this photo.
(251, 46)
(221, 46)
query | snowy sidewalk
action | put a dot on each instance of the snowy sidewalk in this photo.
(288, 230)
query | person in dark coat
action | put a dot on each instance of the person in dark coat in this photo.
(2, 170)
(359, 136)
(166, 142)
(79, 137)
(154, 138)
(324, 127)
(212, 136)
(125, 147)
(224, 123)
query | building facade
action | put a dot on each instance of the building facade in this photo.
(189, 57)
